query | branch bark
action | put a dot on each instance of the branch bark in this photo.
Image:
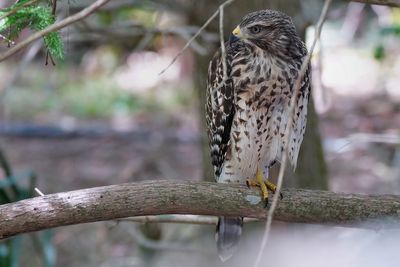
(200, 198)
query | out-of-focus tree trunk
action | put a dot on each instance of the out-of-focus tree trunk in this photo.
(311, 170)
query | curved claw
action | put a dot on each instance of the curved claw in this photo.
(264, 186)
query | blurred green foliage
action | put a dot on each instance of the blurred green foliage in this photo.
(25, 14)
(89, 96)
(93, 98)
(379, 52)
(11, 190)
(391, 30)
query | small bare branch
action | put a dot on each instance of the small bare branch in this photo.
(213, 16)
(221, 36)
(7, 40)
(288, 130)
(393, 3)
(17, 8)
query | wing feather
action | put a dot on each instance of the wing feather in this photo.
(219, 110)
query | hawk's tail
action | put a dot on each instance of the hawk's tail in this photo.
(229, 230)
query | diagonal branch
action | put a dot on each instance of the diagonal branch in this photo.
(17, 8)
(209, 20)
(199, 198)
(393, 3)
(289, 128)
(55, 27)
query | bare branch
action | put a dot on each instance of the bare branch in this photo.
(288, 130)
(221, 37)
(199, 198)
(213, 16)
(393, 3)
(17, 8)
(55, 27)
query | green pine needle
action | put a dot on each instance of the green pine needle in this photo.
(36, 18)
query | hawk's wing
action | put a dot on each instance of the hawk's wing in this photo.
(219, 110)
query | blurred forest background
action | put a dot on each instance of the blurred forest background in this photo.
(104, 115)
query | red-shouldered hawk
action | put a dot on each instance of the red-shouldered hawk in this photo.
(247, 114)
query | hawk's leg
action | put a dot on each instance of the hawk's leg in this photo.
(264, 185)
(259, 181)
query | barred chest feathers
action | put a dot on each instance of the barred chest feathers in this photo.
(263, 87)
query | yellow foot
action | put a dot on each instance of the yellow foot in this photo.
(264, 186)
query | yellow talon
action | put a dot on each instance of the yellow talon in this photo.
(264, 185)
(271, 186)
(260, 180)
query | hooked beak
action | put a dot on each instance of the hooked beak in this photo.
(235, 35)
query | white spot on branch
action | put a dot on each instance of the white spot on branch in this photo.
(253, 200)
(38, 192)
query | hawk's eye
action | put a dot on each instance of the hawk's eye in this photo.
(255, 29)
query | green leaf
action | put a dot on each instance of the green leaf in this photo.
(379, 52)
(36, 18)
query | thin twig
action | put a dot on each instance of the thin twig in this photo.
(16, 9)
(9, 41)
(97, 34)
(374, 138)
(228, 2)
(392, 3)
(40, 193)
(288, 131)
(54, 8)
(221, 36)
(55, 27)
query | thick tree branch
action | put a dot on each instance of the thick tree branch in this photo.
(200, 198)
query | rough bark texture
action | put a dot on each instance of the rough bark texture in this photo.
(200, 198)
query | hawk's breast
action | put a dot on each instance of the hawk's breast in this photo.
(262, 99)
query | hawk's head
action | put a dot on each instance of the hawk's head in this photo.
(270, 30)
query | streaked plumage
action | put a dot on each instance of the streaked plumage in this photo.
(248, 113)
